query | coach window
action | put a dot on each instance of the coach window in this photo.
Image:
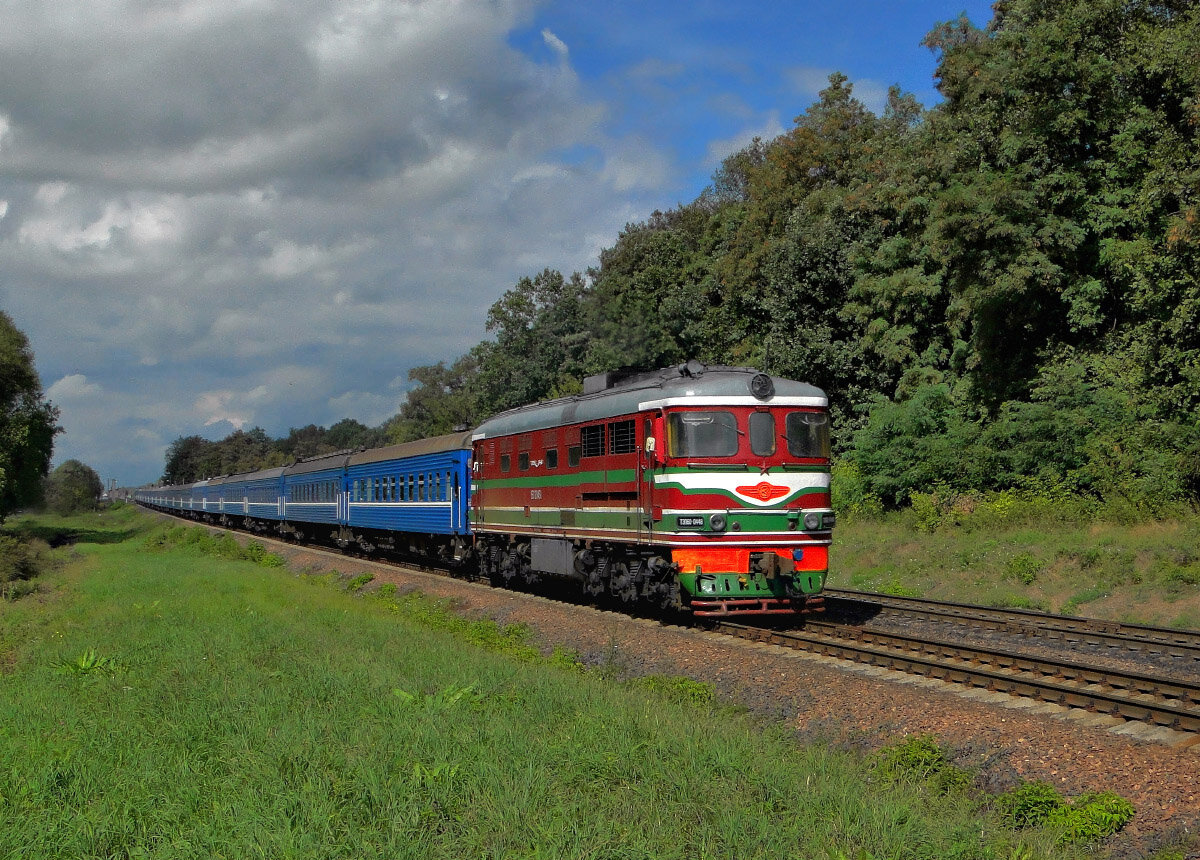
(523, 461)
(762, 433)
(552, 458)
(573, 454)
(505, 463)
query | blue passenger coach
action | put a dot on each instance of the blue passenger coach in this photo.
(413, 497)
(314, 496)
(420, 489)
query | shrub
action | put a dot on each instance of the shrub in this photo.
(920, 759)
(1091, 817)
(1023, 567)
(21, 560)
(1029, 804)
(1085, 432)
(852, 497)
(1086, 820)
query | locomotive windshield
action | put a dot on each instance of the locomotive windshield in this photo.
(703, 434)
(808, 434)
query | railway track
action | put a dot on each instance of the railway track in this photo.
(1129, 695)
(1114, 637)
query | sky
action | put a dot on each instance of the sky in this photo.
(222, 214)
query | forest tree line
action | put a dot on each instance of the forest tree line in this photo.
(999, 292)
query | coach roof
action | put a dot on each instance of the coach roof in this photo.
(689, 384)
(435, 445)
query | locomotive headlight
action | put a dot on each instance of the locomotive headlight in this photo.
(812, 521)
(717, 522)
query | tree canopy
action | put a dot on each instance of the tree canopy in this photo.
(1021, 260)
(1000, 290)
(28, 423)
(72, 488)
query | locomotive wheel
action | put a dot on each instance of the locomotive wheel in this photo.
(489, 560)
(622, 582)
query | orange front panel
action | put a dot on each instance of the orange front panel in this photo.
(737, 559)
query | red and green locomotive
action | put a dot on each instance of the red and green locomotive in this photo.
(701, 488)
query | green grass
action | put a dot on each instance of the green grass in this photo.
(1106, 567)
(158, 700)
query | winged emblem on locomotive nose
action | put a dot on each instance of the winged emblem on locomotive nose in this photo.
(763, 491)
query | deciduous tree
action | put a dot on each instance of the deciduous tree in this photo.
(72, 488)
(28, 423)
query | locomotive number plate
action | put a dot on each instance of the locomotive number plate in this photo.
(690, 522)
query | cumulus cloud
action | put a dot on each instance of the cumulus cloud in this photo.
(72, 387)
(224, 214)
(221, 213)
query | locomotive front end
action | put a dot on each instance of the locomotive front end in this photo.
(740, 490)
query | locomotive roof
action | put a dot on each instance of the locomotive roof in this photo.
(433, 445)
(688, 384)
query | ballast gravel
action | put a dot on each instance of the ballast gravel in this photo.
(1001, 738)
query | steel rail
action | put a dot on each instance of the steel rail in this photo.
(1181, 644)
(1144, 698)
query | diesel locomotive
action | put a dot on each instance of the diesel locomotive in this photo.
(704, 489)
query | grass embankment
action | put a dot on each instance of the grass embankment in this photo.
(157, 701)
(1028, 552)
